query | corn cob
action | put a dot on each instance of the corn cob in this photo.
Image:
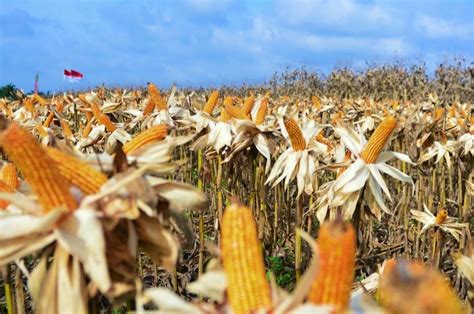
(49, 119)
(84, 100)
(153, 134)
(441, 216)
(320, 138)
(102, 118)
(40, 100)
(67, 132)
(296, 136)
(10, 176)
(316, 102)
(159, 102)
(247, 289)
(225, 116)
(150, 106)
(235, 112)
(4, 187)
(337, 249)
(211, 102)
(438, 114)
(409, 287)
(76, 172)
(28, 102)
(89, 116)
(378, 140)
(87, 129)
(248, 104)
(262, 111)
(37, 168)
(41, 131)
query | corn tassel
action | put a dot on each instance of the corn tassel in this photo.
(248, 104)
(37, 168)
(296, 136)
(4, 187)
(337, 249)
(153, 134)
(76, 172)
(247, 289)
(211, 102)
(378, 140)
(409, 287)
(10, 176)
(102, 118)
(262, 111)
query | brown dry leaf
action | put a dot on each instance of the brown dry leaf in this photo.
(82, 235)
(180, 196)
(158, 243)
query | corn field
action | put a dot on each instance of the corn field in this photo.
(345, 193)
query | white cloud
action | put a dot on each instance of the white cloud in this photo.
(387, 46)
(207, 6)
(340, 14)
(440, 28)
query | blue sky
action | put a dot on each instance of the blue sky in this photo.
(211, 42)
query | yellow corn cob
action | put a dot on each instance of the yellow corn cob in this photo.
(225, 116)
(377, 141)
(66, 129)
(441, 216)
(4, 187)
(242, 258)
(87, 129)
(262, 111)
(102, 118)
(296, 136)
(211, 102)
(153, 134)
(76, 172)
(409, 287)
(39, 99)
(320, 138)
(158, 101)
(438, 113)
(28, 102)
(149, 107)
(48, 120)
(37, 168)
(10, 176)
(235, 112)
(337, 249)
(316, 102)
(248, 104)
(41, 131)
(84, 100)
(89, 116)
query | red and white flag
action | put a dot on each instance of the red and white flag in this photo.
(72, 76)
